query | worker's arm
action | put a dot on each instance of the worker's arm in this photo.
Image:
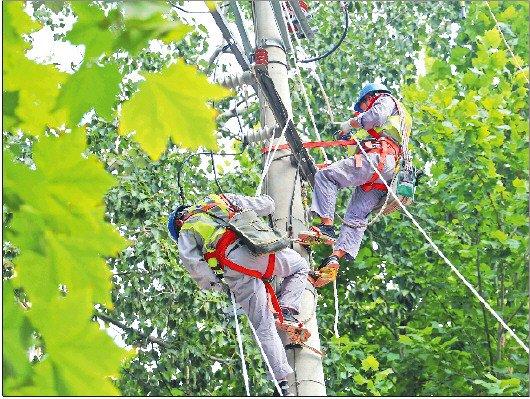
(263, 205)
(190, 247)
(377, 115)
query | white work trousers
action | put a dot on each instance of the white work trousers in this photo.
(342, 174)
(250, 293)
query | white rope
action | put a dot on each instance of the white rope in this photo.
(270, 156)
(240, 343)
(336, 298)
(325, 96)
(516, 61)
(269, 367)
(440, 253)
(288, 22)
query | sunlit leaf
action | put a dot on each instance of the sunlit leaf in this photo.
(99, 87)
(172, 103)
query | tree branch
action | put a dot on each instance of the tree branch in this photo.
(124, 327)
(484, 315)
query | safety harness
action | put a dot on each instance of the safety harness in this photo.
(220, 255)
(380, 144)
(383, 146)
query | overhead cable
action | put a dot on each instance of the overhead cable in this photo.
(446, 260)
(337, 45)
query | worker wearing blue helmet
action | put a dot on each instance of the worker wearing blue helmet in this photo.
(209, 249)
(383, 118)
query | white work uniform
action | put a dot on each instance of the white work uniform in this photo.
(249, 292)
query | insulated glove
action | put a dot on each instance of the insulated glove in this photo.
(345, 126)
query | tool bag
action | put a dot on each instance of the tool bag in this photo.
(404, 185)
(254, 233)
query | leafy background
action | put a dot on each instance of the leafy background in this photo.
(85, 203)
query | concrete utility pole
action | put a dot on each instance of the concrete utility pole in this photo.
(283, 185)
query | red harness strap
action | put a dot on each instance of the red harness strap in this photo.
(219, 254)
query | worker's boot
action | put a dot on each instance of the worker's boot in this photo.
(284, 388)
(321, 233)
(327, 272)
(296, 331)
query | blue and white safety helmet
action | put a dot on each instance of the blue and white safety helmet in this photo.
(173, 218)
(369, 89)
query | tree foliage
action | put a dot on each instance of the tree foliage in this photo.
(54, 208)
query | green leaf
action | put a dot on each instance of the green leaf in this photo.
(172, 103)
(59, 228)
(92, 29)
(510, 383)
(100, 87)
(359, 379)
(518, 183)
(492, 38)
(383, 374)
(15, 23)
(499, 235)
(16, 336)
(130, 29)
(370, 363)
(9, 105)
(81, 354)
(405, 340)
(36, 86)
(144, 22)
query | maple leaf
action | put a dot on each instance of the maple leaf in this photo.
(172, 103)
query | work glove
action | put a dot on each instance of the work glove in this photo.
(345, 126)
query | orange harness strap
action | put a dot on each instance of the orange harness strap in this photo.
(227, 239)
(314, 144)
(384, 146)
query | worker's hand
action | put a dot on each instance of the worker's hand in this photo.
(343, 136)
(345, 126)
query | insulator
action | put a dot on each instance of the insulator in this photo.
(233, 82)
(230, 113)
(260, 135)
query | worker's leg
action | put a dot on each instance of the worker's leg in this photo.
(352, 231)
(250, 293)
(338, 175)
(294, 269)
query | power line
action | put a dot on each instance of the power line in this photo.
(337, 45)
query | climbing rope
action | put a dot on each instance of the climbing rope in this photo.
(336, 299)
(299, 79)
(446, 260)
(264, 355)
(240, 343)
(515, 60)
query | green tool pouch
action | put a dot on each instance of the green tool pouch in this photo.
(255, 234)
(406, 183)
